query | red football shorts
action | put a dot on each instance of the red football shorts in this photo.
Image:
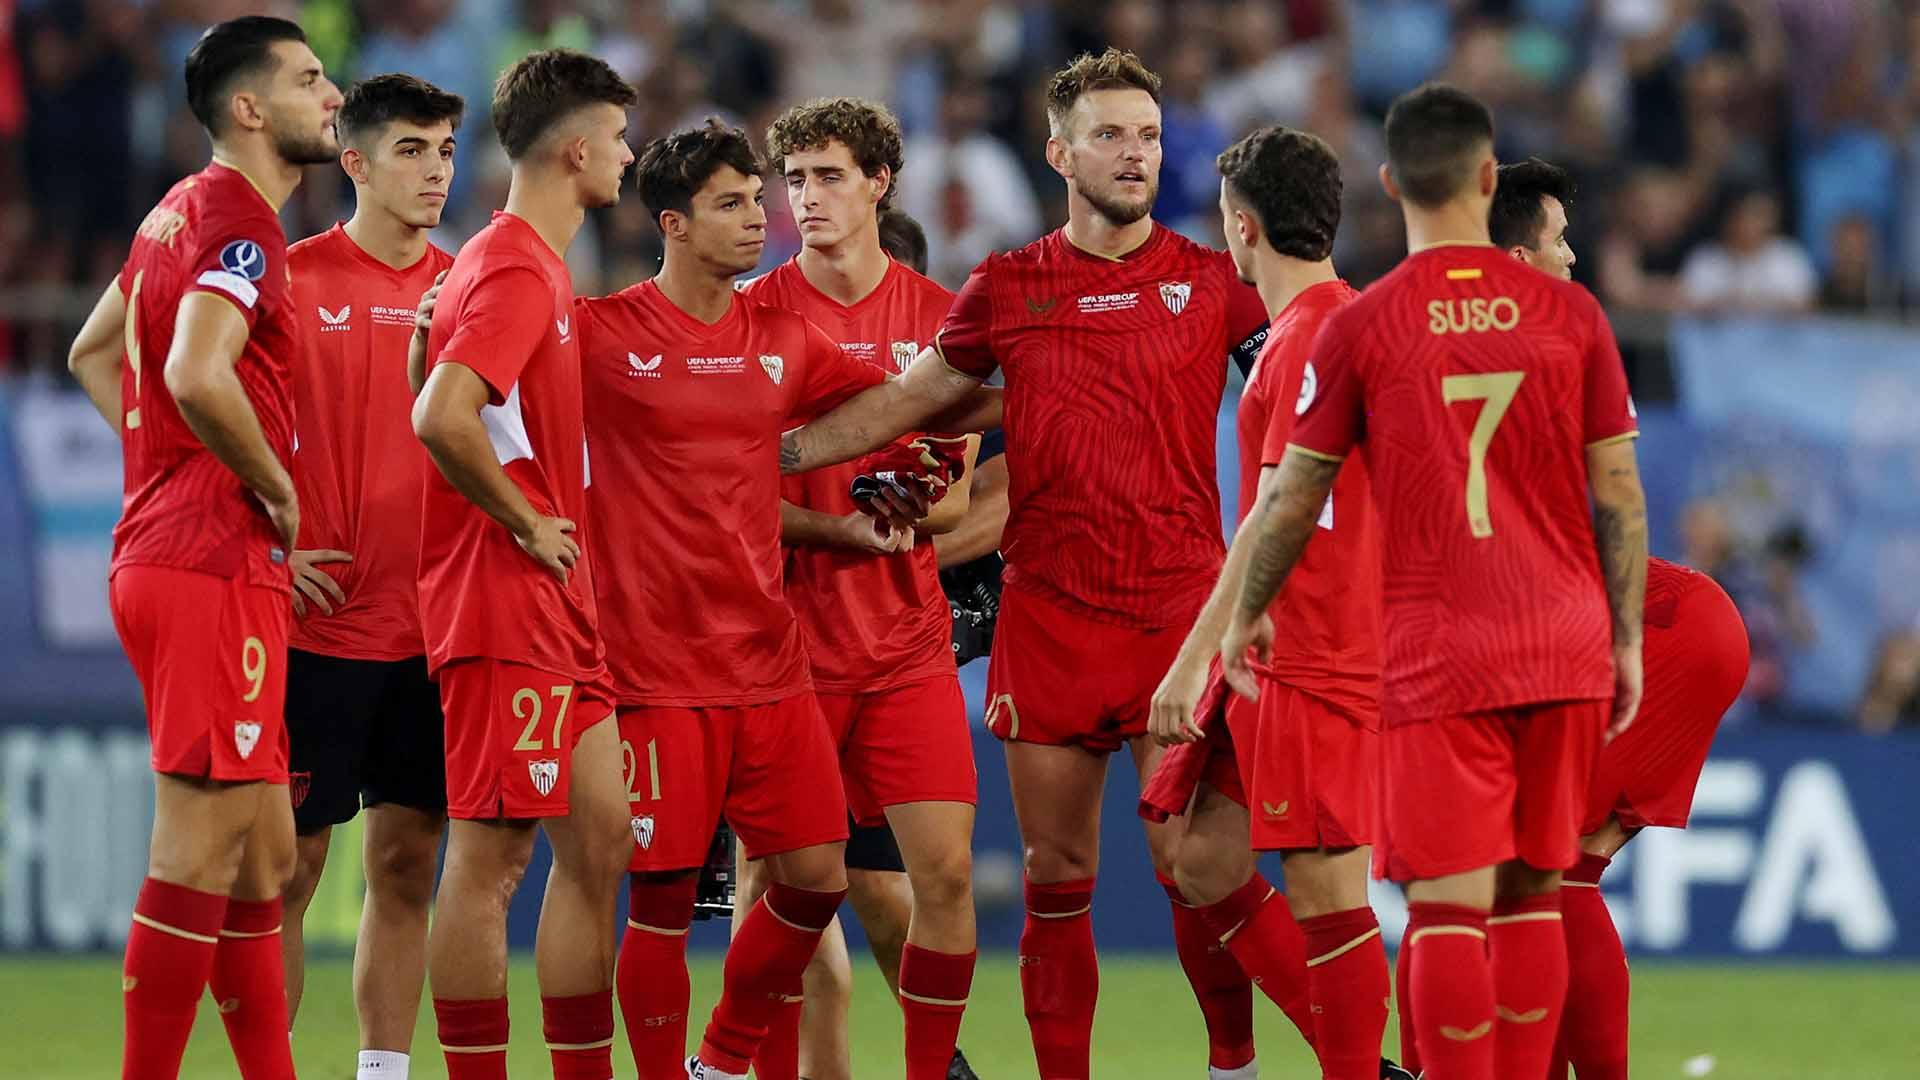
(770, 770)
(1463, 792)
(1696, 665)
(511, 729)
(1307, 770)
(211, 655)
(1059, 678)
(905, 745)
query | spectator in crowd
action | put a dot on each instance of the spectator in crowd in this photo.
(1762, 580)
(1856, 281)
(1892, 699)
(967, 188)
(1753, 267)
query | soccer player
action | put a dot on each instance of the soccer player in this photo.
(1306, 755)
(1696, 660)
(688, 388)
(363, 718)
(506, 593)
(1492, 404)
(1113, 333)
(199, 582)
(873, 618)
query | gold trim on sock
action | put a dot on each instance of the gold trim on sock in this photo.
(1579, 884)
(924, 1000)
(661, 930)
(600, 1044)
(156, 924)
(249, 933)
(1465, 931)
(1525, 916)
(499, 1048)
(1059, 914)
(1344, 949)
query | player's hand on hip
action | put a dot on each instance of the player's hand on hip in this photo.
(551, 546)
(1629, 682)
(1243, 635)
(423, 312)
(285, 515)
(1171, 719)
(312, 584)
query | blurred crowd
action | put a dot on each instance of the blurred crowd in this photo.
(1731, 155)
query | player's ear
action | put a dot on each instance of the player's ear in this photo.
(881, 182)
(1058, 158)
(243, 108)
(1489, 176)
(1249, 227)
(1520, 253)
(673, 225)
(354, 164)
(1386, 183)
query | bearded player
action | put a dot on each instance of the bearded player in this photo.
(363, 718)
(506, 592)
(188, 354)
(1113, 333)
(1494, 411)
(1300, 774)
(872, 614)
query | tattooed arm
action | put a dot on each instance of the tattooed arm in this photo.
(1282, 525)
(878, 415)
(1620, 530)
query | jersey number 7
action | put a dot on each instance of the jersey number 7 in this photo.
(1496, 389)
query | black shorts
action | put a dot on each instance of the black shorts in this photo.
(361, 733)
(872, 847)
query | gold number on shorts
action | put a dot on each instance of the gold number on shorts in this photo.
(133, 358)
(1496, 388)
(630, 767)
(253, 666)
(527, 706)
(653, 767)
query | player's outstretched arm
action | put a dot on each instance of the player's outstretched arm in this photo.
(877, 416)
(96, 354)
(446, 417)
(1620, 530)
(1172, 717)
(1282, 524)
(208, 335)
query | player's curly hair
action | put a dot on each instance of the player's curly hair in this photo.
(1291, 181)
(868, 130)
(673, 168)
(545, 88)
(371, 104)
(1115, 69)
(1518, 212)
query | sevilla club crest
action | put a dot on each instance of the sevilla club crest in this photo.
(545, 773)
(774, 367)
(1175, 295)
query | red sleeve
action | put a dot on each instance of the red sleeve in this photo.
(965, 340)
(828, 376)
(1292, 393)
(499, 323)
(1610, 412)
(241, 258)
(1336, 419)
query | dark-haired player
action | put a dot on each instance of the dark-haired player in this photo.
(363, 718)
(187, 354)
(1528, 218)
(1113, 333)
(1300, 774)
(507, 595)
(874, 619)
(1492, 403)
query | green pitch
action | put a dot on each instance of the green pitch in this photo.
(1724, 1023)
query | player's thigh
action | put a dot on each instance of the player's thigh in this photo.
(400, 851)
(882, 901)
(1214, 856)
(268, 861)
(675, 762)
(936, 842)
(1555, 749)
(596, 834)
(332, 715)
(782, 797)
(200, 830)
(407, 752)
(1056, 797)
(1451, 788)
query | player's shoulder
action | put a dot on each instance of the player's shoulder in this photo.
(439, 258)
(1043, 255)
(919, 285)
(775, 283)
(1178, 247)
(314, 251)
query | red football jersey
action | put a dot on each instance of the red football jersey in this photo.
(871, 622)
(214, 232)
(1476, 385)
(1328, 613)
(685, 419)
(360, 471)
(1114, 370)
(506, 311)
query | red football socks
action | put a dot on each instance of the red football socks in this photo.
(250, 985)
(1224, 991)
(579, 1031)
(1403, 997)
(1593, 1027)
(764, 963)
(778, 1057)
(1452, 991)
(170, 954)
(1256, 926)
(1347, 982)
(1060, 976)
(473, 1035)
(933, 996)
(1528, 947)
(651, 973)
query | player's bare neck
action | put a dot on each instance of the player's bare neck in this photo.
(1092, 232)
(849, 271)
(1457, 224)
(549, 204)
(270, 174)
(1279, 278)
(385, 237)
(694, 289)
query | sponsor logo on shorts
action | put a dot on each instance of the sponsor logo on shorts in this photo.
(1278, 809)
(246, 735)
(545, 773)
(642, 826)
(299, 786)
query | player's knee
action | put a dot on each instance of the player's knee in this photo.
(310, 860)
(1202, 881)
(1054, 862)
(943, 882)
(400, 871)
